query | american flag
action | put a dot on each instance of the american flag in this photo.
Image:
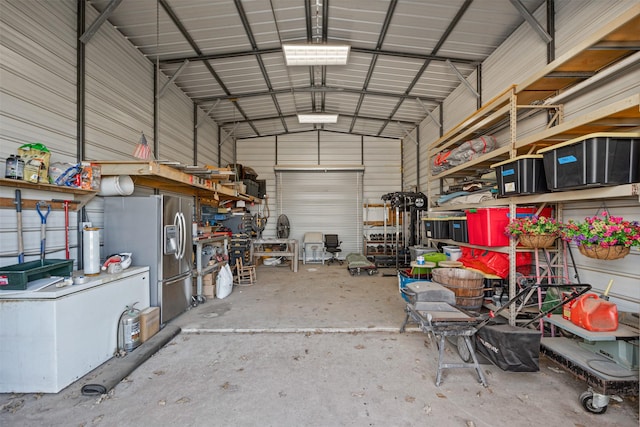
(142, 150)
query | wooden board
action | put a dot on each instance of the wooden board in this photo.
(164, 177)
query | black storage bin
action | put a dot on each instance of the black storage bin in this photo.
(521, 175)
(437, 228)
(458, 230)
(252, 187)
(262, 188)
(594, 160)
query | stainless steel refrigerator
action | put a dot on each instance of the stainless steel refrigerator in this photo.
(157, 231)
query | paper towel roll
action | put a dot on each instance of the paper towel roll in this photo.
(91, 250)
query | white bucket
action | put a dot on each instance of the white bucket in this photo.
(117, 185)
(453, 253)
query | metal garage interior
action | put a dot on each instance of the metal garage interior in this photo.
(207, 84)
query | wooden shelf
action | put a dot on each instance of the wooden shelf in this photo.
(489, 114)
(595, 193)
(617, 40)
(165, 177)
(612, 43)
(616, 117)
(81, 196)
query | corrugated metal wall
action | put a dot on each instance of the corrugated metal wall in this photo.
(383, 172)
(299, 149)
(380, 157)
(207, 142)
(460, 103)
(38, 66)
(429, 132)
(119, 95)
(523, 53)
(175, 126)
(227, 149)
(340, 149)
(37, 104)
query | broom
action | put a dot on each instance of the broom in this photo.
(142, 150)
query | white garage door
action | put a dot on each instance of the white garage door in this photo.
(326, 201)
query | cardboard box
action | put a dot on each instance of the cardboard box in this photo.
(208, 279)
(209, 291)
(149, 322)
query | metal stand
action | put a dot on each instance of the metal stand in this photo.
(202, 270)
(442, 320)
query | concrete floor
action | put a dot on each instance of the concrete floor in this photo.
(313, 348)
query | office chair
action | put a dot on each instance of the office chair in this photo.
(332, 245)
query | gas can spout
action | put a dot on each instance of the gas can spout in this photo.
(605, 295)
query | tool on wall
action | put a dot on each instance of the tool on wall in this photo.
(19, 220)
(66, 223)
(43, 226)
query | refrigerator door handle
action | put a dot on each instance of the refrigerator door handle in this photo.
(176, 222)
(177, 278)
(183, 235)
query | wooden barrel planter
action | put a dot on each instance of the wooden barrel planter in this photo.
(467, 285)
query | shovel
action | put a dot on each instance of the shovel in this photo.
(19, 220)
(43, 226)
(66, 223)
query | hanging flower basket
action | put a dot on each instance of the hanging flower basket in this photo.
(603, 236)
(604, 252)
(533, 231)
(537, 240)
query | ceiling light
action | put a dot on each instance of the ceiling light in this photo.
(315, 54)
(318, 118)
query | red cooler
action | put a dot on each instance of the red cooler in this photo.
(486, 225)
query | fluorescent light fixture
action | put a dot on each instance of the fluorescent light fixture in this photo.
(318, 118)
(315, 54)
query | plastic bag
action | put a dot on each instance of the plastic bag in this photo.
(224, 282)
(490, 262)
(65, 174)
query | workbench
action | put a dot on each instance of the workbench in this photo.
(259, 248)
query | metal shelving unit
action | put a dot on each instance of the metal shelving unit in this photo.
(385, 227)
(201, 270)
(593, 55)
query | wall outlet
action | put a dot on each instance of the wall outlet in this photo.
(84, 225)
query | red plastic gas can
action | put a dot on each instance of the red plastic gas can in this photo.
(594, 314)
